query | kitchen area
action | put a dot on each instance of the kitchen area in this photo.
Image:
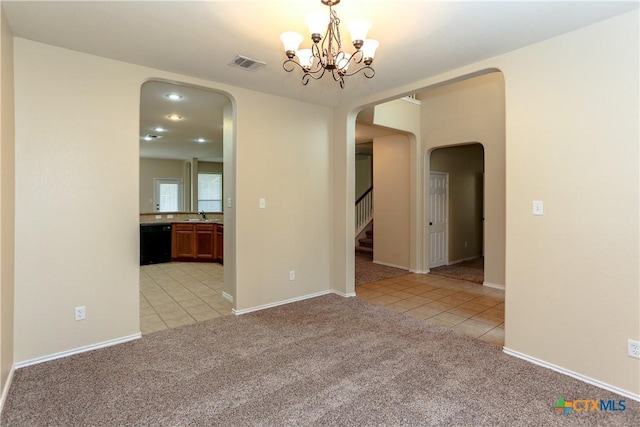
(181, 206)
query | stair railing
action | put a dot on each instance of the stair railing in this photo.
(364, 210)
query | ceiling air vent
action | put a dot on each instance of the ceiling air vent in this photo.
(247, 63)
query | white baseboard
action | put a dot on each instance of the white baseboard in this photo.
(289, 301)
(275, 304)
(419, 271)
(458, 261)
(227, 297)
(77, 350)
(402, 267)
(493, 285)
(5, 390)
(572, 374)
(342, 294)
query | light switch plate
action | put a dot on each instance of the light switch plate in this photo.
(538, 207)
(263, 203)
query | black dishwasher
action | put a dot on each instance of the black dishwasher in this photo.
(155, 243)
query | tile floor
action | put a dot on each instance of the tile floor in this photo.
(466, 307)
(177, 294)
(180, 293)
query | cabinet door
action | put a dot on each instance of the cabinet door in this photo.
(183, 242)
(218, 251)
(204, 241)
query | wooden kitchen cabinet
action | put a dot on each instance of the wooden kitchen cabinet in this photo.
(204, 235)
(197, 242)
(218, 242)
(182, 242)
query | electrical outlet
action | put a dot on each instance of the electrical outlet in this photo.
(81, 313)
(292, 275)
(633, 348)
(465, 243)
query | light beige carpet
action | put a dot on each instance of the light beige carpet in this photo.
(328, 361)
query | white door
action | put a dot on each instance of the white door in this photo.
(167, 195)
(438, 218)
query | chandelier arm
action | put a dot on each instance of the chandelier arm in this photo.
(341, 81)
(367, 70)
(292, 64)
(317, 53)
(313, 74)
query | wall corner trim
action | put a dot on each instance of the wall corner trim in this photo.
(386, 264)
(5, 390)
(493, 285)
(572, 374)
(277, 303)
(342, 294)
(227, 297)
(78, 350)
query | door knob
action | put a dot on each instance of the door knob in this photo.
(430, 223)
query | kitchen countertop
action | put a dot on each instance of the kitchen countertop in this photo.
(209, 221)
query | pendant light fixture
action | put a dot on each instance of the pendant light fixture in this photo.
(326, 54)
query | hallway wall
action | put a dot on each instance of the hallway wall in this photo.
(464, 164)
(473, 110)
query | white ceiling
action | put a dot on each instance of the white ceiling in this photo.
(418, 39)
(201, 113)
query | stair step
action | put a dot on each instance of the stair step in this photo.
(363, 249)
(369, 234)
(366, 242)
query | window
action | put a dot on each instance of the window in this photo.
(168, 195)
(210, 192)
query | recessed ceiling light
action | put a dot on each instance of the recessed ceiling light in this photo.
(150, 137)
(201, 140)
(174, 96)
(174, 117)
(160, 129)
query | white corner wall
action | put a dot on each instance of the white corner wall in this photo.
(391, 200)
(7, 206)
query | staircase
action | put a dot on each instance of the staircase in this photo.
(365, 244)
(364, 221)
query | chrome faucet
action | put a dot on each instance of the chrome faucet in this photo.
(204, 215)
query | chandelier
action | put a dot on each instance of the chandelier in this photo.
(326, 54)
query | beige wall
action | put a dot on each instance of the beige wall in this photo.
(391, 200)
(7, 205)
(364, 174)
(572, 132)
(293, 232)
(159, 168)
(573, 296)
(210, 167)
(464, 164)
(468, 111)
(404, 115)
(91, 259)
